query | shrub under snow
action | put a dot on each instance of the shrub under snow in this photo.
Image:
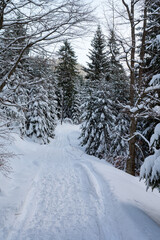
(150, 170)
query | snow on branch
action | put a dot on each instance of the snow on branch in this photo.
(138, 134)
(155, 80)
(152, 88)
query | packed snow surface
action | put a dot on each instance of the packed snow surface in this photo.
(57, 192)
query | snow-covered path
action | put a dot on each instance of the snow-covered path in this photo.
(69, 199)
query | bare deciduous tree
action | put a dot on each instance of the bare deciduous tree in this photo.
(139, 89)
(46, 22)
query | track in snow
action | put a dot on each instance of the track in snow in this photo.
(68, 200)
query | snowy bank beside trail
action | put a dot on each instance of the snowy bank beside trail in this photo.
(14, 189)
(57, 191)
(129, 190)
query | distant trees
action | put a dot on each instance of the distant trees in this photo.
(150, 170)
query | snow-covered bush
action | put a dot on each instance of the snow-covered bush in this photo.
(150, 170)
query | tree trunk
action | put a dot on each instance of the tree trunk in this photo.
(130, 167)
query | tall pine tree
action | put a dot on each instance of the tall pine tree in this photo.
(120, 93)
(97, 116)
(98, 65)
(67, 74)
(40, 114)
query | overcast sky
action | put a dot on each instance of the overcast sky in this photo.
(82, 46)
(102, 13)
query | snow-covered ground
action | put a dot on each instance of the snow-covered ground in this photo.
(57, 192)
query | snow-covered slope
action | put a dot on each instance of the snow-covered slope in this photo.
(57, 192)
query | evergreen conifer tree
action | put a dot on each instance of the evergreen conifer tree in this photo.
(97, 117)
(120, 93)
(67, 74)
(36, 124)
(98, 122)
(98, 65)
(40, 115)
(150, 170)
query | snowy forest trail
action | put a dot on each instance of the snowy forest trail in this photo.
(69, 199)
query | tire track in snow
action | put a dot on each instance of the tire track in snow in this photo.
(112, 212)
(106, 217)
(69, 200)
(121, 213)
(60, 205)
(103, 211)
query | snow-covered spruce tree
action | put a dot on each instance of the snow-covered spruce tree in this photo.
(120, 94)
(49, 82)
(97, 116)
(150, 170)
(36, 116)
(40, 112)
(98, 121)
(67, 74)
(98, 65)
